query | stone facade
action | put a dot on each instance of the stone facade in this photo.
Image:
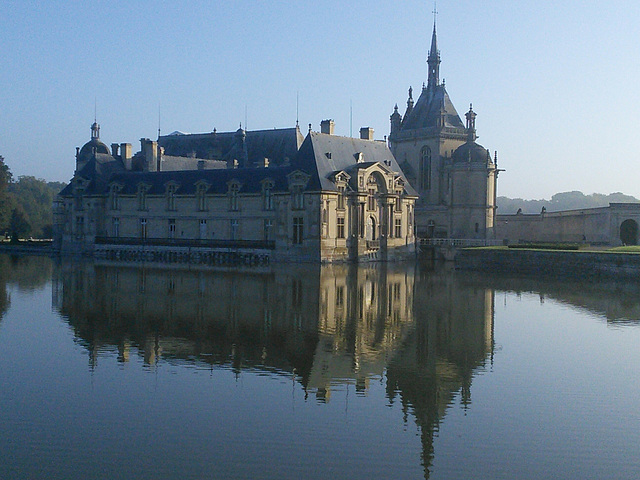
(326, 198)
(455, 177)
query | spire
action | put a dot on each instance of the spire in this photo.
(433, 60)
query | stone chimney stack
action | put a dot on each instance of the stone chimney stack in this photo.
(366, 133)
(326, 126)
(125, 152)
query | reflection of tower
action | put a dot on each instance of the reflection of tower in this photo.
(453, 337)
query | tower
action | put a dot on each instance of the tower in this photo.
(424, 141)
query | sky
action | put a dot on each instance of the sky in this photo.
(554, 83)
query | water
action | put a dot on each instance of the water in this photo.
(111, 372)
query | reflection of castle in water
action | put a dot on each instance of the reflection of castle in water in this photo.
(327, 326)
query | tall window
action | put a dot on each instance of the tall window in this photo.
(203, 228)
(398, 228)
(115, 224)
(425, 168)
(267, 196)
(115, 198)
(142, 197)
(235, 226)
(298, 230)
(341, 197)
(171, 197)
(297, 198)
(201, 197)
(268, 230)
(398, 204)
(340, 225)
(234, 190)
(172, 228)
(143, 228)
(371, 200)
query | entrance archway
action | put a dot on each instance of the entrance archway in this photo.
(629, 232)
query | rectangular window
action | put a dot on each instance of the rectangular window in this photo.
(398, 204)
(142, 199)
(203, 229)
(235, 226)
(340, 198)
(115, 222)
(371, 200)
(398, 228)
(268, 199)
(268, 230)
(115, 199)
(143, 228)
(340, 227)
(298, 198)
(298, 230)
(171, 198)
(233, 197)
(202, 200)
(172, 228)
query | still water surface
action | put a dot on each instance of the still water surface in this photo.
(110, 372)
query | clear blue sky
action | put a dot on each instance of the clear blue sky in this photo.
(556, 84)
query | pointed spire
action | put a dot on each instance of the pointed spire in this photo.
(433, 60)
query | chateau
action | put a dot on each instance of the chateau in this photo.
(255, 196)
(262, 195)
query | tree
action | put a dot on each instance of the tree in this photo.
(19, 226)
(5, 200)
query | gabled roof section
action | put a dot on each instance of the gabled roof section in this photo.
(426, 112)
(277, 145)
(342, 153)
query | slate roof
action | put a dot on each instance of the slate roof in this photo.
(276, 144)
(471, 152)
(426, 112)
(343, 152)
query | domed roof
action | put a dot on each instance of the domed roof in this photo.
(471, 152)
(92, 146)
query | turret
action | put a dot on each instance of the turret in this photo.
(396, 120)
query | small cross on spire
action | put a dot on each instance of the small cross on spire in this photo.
(435, 12)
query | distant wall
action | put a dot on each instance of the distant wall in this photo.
(572, 264)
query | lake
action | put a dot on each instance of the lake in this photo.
(382, 371)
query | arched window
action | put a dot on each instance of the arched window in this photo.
(425, 168)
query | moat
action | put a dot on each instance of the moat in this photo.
(306, 371)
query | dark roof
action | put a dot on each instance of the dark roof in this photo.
(276, 145)
(471, 152)
(88, 149)
(342, 156)
(426, 111)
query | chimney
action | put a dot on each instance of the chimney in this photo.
(125, 152)
(326, 126)
(150, 154)
(366, 133)
(114, 149)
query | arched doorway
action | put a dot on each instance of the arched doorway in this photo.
(629, 232)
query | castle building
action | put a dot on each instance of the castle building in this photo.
(270, 194)
(455, 177)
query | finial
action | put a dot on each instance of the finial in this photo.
(443, 83)
(309, 128)
(435, 12)
(395, 109)
(411, 92)
(471, 107)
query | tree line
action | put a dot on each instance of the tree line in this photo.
(26, 205)
(561, 201)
